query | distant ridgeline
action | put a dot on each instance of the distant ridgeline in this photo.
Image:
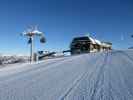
(87, 44)
(13, 59)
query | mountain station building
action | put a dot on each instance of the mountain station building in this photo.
(87, 44)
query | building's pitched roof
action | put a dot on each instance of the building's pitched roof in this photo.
(92, 40)
(98, 42)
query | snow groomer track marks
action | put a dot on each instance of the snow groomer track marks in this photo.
(94, 76)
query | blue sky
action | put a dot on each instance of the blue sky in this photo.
(61, 20)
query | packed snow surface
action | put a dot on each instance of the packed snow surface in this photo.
(95, 76)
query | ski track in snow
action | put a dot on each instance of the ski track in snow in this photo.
(95, 76)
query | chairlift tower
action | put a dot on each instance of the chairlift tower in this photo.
(31, 33)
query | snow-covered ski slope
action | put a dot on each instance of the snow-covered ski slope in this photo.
(95, 76)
